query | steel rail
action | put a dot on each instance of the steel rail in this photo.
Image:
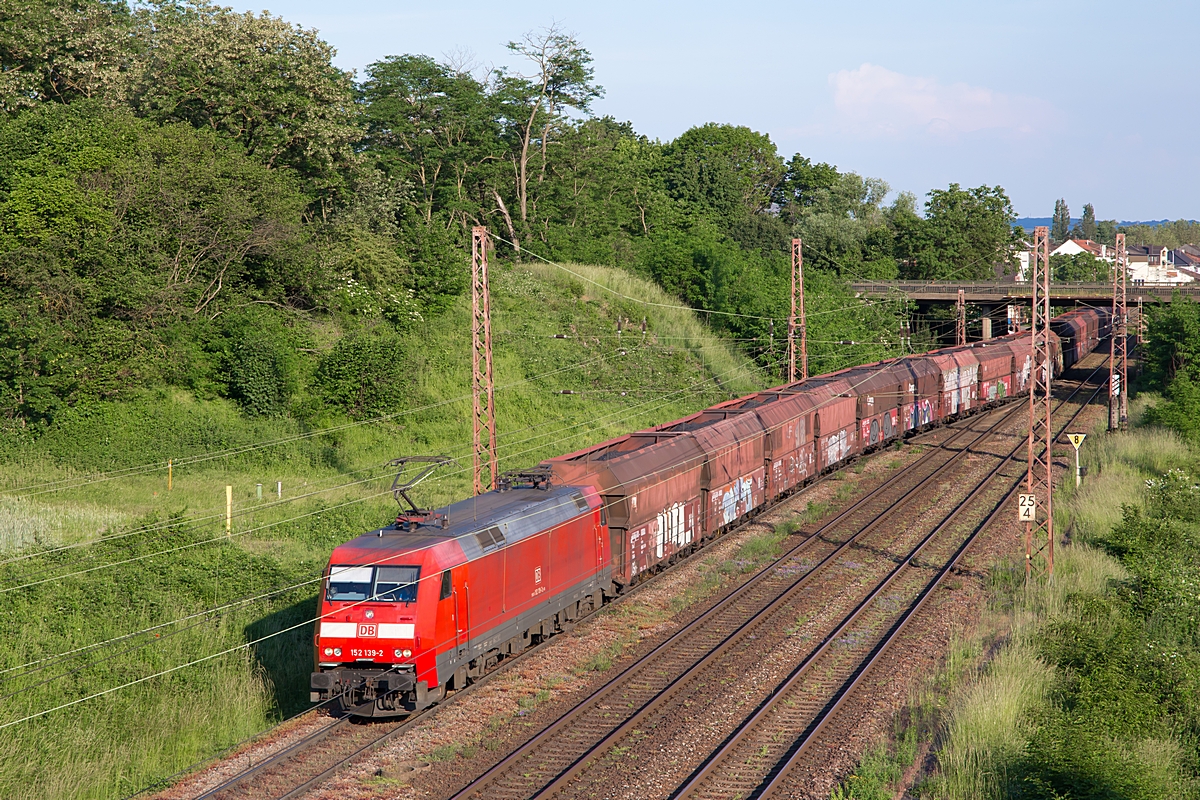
(712, 766)
(314, 738)
(787, 593)
(783, 770)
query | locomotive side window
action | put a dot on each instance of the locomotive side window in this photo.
(349, 584)
(397, 584)
(447, 587)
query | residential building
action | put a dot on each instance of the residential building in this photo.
(1156, 264)
(1075, 246)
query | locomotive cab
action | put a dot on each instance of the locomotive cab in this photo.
(386, 600)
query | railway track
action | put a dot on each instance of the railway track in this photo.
(751, 623)
(770, 595)
(766, 754)
(315, 757)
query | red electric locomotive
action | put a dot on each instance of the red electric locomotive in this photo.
(430, 602)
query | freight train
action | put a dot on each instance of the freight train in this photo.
(432, 602)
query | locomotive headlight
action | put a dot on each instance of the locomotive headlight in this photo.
(328, 651)
(398, 653)
(407, 653)
(370, 614)
(337, 651)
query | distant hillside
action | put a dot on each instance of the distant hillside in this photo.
(1029, 223)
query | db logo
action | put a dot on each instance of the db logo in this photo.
(537, 574)
(367, 630)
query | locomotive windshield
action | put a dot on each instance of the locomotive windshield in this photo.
(386, 584)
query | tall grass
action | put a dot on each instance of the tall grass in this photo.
(990, 724)
(986, 751)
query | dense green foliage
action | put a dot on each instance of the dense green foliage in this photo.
(1130, 664)
(1169, 234)
(1172, 360)
(165, 167)
(1078, 267)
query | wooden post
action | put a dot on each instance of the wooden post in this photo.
(228, 510)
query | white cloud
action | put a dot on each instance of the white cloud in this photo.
(874, 101)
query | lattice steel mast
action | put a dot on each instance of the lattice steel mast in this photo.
(960, 326)
(1118, 367)
(1039, 481)
(796, 320)
(482, 383)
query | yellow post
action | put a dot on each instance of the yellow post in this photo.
(169, 475)
(228, 510)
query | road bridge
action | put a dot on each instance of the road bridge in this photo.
(998, 293)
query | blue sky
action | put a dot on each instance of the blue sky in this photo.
(1095, 102)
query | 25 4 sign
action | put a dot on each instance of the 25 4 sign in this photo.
(1027, 508)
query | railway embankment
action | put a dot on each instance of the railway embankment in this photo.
(1089, 679)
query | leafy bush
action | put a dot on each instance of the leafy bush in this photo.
(260, 363)
(366, 374)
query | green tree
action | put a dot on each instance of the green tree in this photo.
(258, 80)
(1172, 353)
(803, 185)
(1170, 234)
(534, 105)
(726, 171)
(1106, 232)
(1173, 340)
(1060, 225)
(1087, 224)
(1078, 267)
(965, 234)
(604, 194)
(61, 50)
(435, 129)
(845, 228)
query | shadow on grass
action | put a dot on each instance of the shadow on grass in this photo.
(286, 660)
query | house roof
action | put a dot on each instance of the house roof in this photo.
(1092, 247)
(1185, 259)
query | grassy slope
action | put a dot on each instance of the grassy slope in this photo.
(129, 738)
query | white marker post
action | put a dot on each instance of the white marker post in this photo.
(1077, 440)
